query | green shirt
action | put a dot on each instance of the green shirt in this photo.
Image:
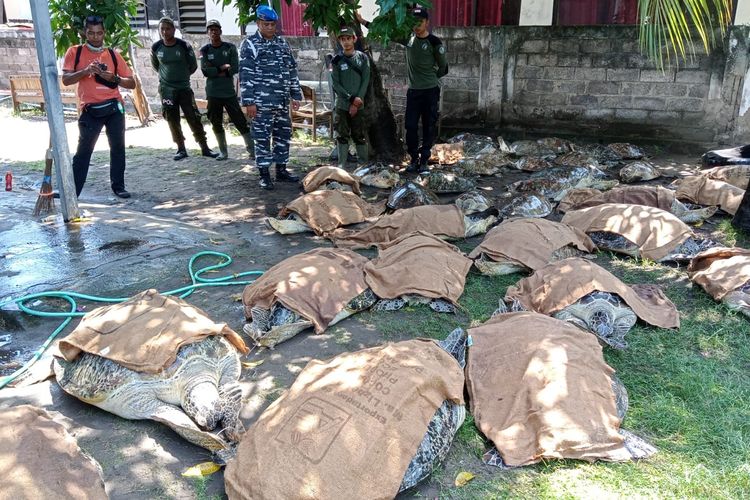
(220, 83)
(425, 61)
(351, 76)
(174, 64)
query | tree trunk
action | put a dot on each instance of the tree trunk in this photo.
(741, 219)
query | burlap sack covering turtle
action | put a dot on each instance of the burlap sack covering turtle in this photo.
(650, 196)
(418, 263)
(39, 459)
(321, 175)
(704, 191)
(348, 427)
(539, 388)
(144, 333)
(736, 175)
(720, 270)
(656, 232)
(530, 242)
(316, 285)
(326, 210)
(561, 283)
(440, 220)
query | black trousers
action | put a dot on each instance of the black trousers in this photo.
(215, 112)
(183, 99)
(421, 104)
(89, 129)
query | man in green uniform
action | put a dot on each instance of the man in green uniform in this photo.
(219, 64)
(351, 76)
(175, 61)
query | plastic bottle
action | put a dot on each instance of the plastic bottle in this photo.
(9, 181)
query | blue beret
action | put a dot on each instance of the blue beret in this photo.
(266, 13)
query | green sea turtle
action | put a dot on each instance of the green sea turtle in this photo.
(736, 175)
(636, 446)
(617, 243)
(532, 164)
(410, 194)
(488, 161)
(444, 423)
(739, 299)
(292, 224)
(559, 146)
(637, 171)
(197, 393)
(446, 182)
(527, 204)
(437, 305)
(627, 151)
(576, 159)
(270, 327)
(501, 267)
(604, 314)
(473, 202)
(473, 143)
(599, 152)
(377, 175)
(532, 148)
(555, 182)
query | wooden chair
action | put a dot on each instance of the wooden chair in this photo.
(28, 89)
(311, 113)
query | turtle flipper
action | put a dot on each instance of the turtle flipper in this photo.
(231, 403)
(178, 421)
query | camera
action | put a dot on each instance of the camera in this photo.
(102, 66)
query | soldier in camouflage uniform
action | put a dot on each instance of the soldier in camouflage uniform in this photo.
(174, 60)
(268, 79)
(351, 76)
(219, 64)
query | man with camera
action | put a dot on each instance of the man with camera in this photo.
(98, 71)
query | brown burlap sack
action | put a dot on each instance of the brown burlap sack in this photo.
(315, 284)
(326, 210)
(440, 220)
(348, 427)
(656, 232)
(144, 333)
(530, 242)
(561, 283)
(539, 388)
(705, 191)
(720, 270)
(321, 175)
(650, 196)
(418, 263)
(736, 175)
(39, 459)
(447, 154)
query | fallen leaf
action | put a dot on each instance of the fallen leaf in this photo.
(463, 477)
(252, 364)
(201, 469)
(237, 297)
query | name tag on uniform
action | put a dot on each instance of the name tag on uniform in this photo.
(210, 56)
(344, 67)
(160, 54)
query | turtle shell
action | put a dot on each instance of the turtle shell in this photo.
(410, 195)
(637, 171)
(627, 151)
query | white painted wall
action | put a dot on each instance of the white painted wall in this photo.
(227, 17)
(17, 9)
(742, 16)
(539, 12)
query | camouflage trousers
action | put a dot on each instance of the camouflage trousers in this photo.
(350, 127)
(268, 125)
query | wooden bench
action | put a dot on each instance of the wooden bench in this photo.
(28, 89)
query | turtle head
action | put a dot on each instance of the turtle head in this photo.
(602, 313)
(203, 404)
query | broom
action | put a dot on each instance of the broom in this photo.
(45, 203)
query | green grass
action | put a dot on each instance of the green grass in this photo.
(689, 395)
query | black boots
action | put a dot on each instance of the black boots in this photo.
(181, 152)
(265, 179)
(206, 151)
(283, 175)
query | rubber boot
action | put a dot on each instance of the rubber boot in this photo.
(221, 138)
(265, 179)
(206, 151)
(181, 152)
(249, 144)
(363, 154)
(283, 175)
(343, 152)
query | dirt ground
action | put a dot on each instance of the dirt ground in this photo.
(213, 206)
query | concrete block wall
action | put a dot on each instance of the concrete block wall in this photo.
(596, 79)
(17, 54)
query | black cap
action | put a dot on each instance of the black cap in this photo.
(420, 12)
(346, 31)
(213, 23)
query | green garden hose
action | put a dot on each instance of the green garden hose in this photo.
(195, 277)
